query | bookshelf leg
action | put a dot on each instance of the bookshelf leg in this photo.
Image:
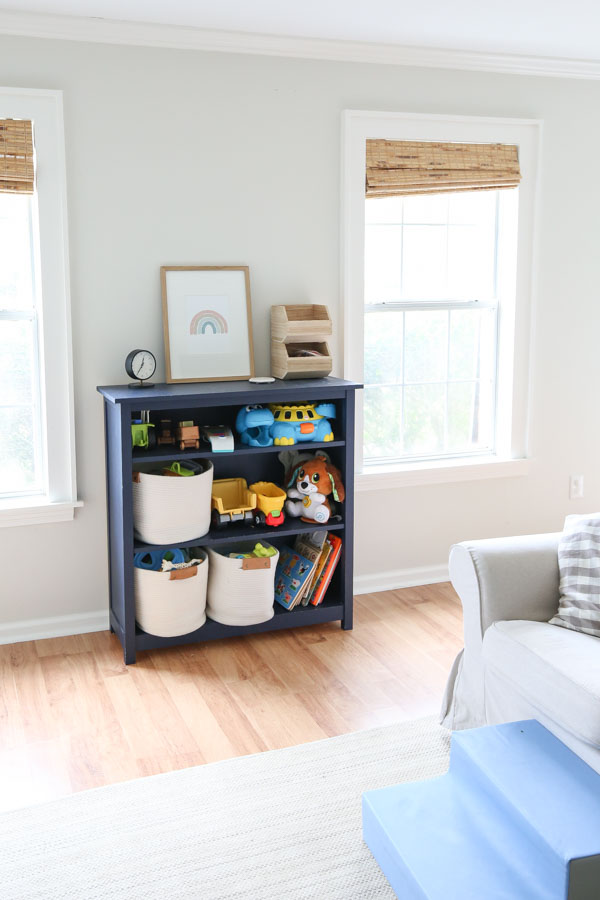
(129, 656)
(347, 620)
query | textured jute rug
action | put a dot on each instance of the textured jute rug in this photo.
(281, 825)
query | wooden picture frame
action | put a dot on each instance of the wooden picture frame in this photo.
(207, 323)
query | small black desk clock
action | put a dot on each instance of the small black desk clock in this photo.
(141, 364)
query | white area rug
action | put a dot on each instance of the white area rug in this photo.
(281, 825)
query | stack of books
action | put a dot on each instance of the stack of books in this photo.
(304, 571)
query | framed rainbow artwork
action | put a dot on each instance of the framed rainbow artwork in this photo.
(207, 323)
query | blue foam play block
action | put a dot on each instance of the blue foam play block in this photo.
(517, 817)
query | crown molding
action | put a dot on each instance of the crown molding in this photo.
(142, 34)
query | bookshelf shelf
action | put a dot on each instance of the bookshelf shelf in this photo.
(211, 403)
(234, 534)
(331, 610)
(162, 455)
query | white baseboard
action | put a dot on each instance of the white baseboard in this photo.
(83, 623)
(400, 578)
(53, 626)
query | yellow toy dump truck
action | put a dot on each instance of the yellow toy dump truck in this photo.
(269, 503)
(232, 502)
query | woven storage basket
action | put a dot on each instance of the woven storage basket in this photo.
(238, 595)
(171, 603)
(166, 510)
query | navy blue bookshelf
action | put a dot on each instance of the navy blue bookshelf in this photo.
(211, 403)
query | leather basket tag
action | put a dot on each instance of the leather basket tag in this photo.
(256, 562)
(179, 574)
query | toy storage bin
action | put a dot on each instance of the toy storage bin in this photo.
(284, 364)
(171, 603)
(167, 510)
(300, 322)
(241, 591)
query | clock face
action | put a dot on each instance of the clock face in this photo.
(140, 364)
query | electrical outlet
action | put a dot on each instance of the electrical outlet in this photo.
(576, 487)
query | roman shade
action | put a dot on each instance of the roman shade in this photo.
(400, 168)
(16, 156)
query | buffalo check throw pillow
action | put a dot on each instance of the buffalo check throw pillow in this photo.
(579, 566)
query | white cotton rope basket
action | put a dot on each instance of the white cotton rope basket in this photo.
(168, 604)
(238, 596)
(166, 510)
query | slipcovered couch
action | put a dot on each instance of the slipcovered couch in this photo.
(514, 664)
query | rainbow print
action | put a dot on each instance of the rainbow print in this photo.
(208, 322)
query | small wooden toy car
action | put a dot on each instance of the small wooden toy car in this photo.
(269, 503)
(165, 434)
(188, 435)
(232, 502)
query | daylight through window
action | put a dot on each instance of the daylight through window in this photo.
(21, 445)
(433, 287)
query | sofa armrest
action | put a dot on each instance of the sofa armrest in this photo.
(506, 578)
(498, 579)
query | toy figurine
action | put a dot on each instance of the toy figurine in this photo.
(310, 485)
(253, 424)
(301, 422)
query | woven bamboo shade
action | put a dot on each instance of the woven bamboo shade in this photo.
(398, 168)
(16, 156)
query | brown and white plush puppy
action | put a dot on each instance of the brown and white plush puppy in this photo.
(309, 486)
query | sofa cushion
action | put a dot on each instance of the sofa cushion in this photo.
(556, 670)
(579, 564)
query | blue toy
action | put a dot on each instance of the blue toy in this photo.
(152, 559)
(253, 424)
(301, 422)
(285, 424)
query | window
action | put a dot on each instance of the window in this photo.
(437, 304)
(22, 462)
(37, 471)
(433, 274)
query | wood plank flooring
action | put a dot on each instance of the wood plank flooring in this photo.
(73, 716)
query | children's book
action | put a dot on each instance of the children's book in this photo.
(311, 546)
(316, 574)
(291, 575)
(327, 573)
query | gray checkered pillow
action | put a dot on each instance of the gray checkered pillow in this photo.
(579, 565)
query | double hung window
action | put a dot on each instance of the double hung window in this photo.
(432, 288)
(437, 263)
(37, 460)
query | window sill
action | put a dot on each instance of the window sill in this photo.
(35, 511)
(414, 474)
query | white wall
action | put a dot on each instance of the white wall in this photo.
(191, 157)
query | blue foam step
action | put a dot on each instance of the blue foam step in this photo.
(554, 792)
(517, 817)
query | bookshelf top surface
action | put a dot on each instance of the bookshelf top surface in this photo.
(223, 392)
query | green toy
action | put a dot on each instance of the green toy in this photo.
(176, 468)
(142, 436)
(259, 551)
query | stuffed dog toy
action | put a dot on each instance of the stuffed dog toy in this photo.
(309, 486)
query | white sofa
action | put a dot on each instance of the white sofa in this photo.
(514, 664)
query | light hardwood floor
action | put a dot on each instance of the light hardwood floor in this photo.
(73, 716)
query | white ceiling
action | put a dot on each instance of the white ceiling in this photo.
(557, 28)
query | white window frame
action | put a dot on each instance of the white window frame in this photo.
(59, 496)
(514, 323)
